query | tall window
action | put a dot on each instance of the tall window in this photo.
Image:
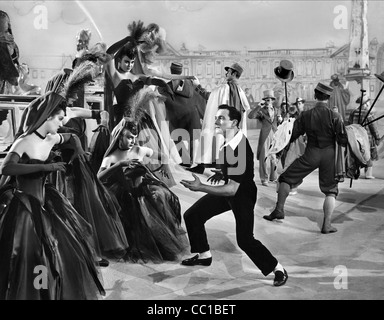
(300, 71)
(318, 67)
(209, 69)
(252, 69)
(218, 69)
(264, 69)
(309, 67)
(199, 69)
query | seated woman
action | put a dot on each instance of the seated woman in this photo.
(150, 210)
(134, 92)
(38, 225)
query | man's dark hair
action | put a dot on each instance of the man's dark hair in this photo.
(320, 96)
(234, 114)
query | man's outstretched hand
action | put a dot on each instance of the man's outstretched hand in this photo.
(194, 185)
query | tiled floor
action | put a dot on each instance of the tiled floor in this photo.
(348, 264)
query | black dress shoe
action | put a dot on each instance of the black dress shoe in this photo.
(102, 263)
(197, 169)
(195, 261)
(274, 215)
(280, 278)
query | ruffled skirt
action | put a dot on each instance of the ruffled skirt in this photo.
(151, 216)
(100, 209)
(46, 250)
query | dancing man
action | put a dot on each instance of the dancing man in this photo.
(323, 128)
(238, 194)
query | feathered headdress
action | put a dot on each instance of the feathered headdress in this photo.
(137, 30)
(130, 43)
(97, 54)
(86, 72)
(141, 37)
(38, 111)
(85, 35)
(140, 103)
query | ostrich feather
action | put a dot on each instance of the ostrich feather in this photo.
(81, 75)
(140, 102)
(136, 29)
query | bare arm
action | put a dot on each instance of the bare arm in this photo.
(106, 170)
(157, 82)
(168, 76)
(28, 88)
(227, 190)
(75, 112)
(150, 153)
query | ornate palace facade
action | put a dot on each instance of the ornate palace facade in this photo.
(310, 67)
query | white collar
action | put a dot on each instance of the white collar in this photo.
(234, 142)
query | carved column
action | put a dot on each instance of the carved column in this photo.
(359, 48)
(358, 61)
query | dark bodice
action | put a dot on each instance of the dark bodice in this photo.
(126, 89)
(32, 183)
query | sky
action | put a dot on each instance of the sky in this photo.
(213, 25)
